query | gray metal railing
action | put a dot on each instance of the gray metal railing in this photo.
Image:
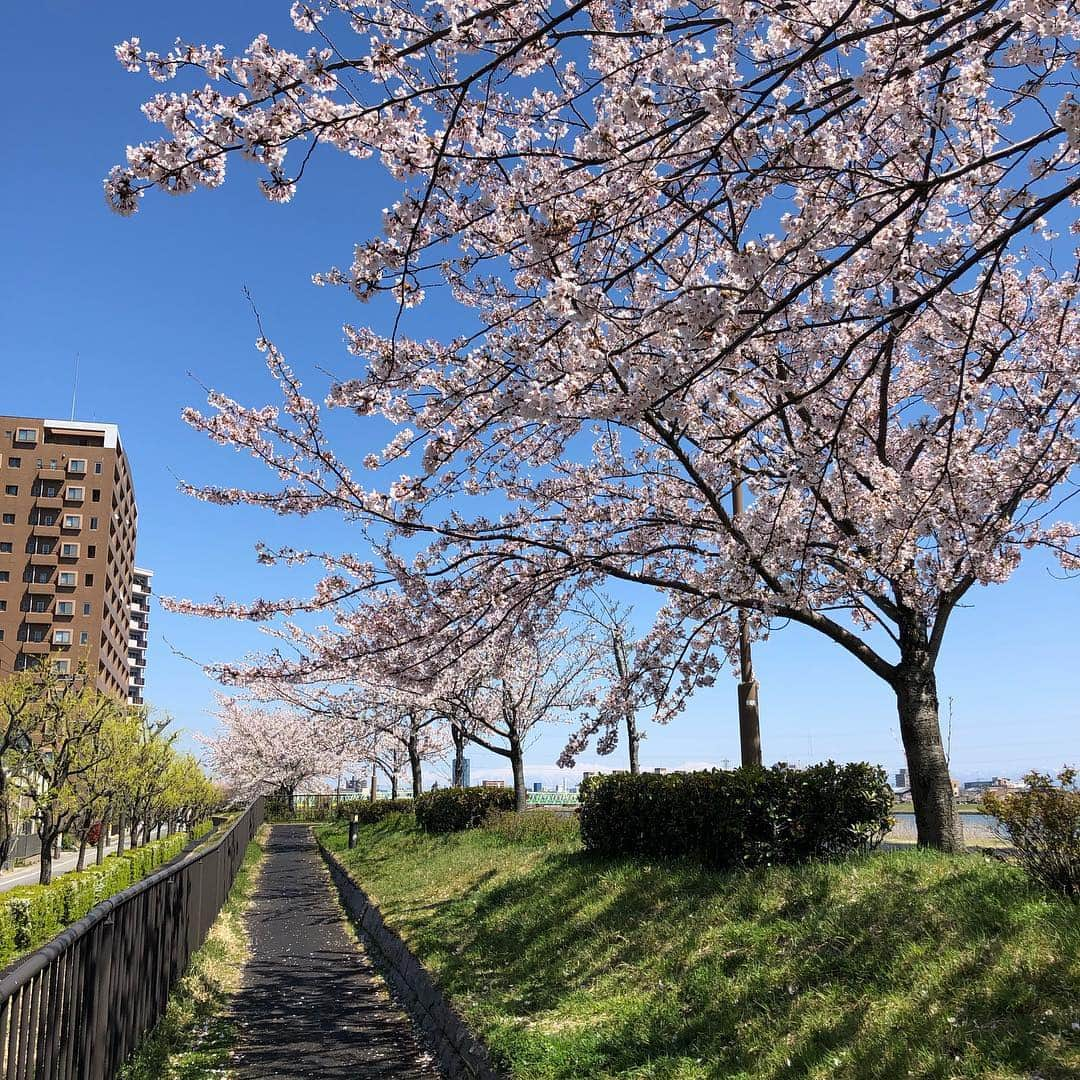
(78, 1006)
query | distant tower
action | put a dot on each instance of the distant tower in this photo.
(901, 780)
(466, 772)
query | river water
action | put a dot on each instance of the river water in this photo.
(977, 827)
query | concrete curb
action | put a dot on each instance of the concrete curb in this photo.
(461, 1055)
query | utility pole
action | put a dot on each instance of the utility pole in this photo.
(749, 717)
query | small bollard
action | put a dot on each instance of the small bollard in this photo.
(354, 830)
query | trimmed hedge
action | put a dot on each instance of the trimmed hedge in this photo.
(457, 809)
(371, 812)
(738, 817)
(31, 915)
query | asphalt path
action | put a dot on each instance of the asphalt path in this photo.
(312, 1004)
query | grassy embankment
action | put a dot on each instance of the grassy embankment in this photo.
(903, 963)
(195, 1037)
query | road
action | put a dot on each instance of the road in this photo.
(28, 875)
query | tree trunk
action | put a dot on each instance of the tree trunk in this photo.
(633, 740)
(120, 835)
(393, 785)
(937, 822)
(47, 833)
(103, 839)
(374, 784)
(81, 864)
(458, 735)
(517, 763)
(7, 831)
(416, 767)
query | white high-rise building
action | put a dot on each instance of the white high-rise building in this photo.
(138, 633)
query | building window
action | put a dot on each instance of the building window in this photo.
(11, 489)
(9, 519)
(26, 434)
(93, 523)
(65, 607)
(69, 551)
(84, 638)
(97, 468)
(95, 495)
(76, 494)
(91, 551)
(61, 637)
(86, 609)
(14, 462)
(5, 546)
(77, 465)
(35, 633)
(73, 521)
(5, 575)
(68, 579)
(61, 667)
(88, 579)
(3, 605)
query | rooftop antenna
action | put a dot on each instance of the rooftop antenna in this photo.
(74, 387)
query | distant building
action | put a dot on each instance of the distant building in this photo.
(138, 633)
(67, 550)
(659, 769)
(537, 786)
(492, 783)
(901, 780)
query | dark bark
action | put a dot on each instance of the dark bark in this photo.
(517, 764)
(120, 824)
(457, 733)
(393, 785)
(48, 831)
(103, 838)
(83, 844)
(416, 768)
(749, 716)
(937, 822)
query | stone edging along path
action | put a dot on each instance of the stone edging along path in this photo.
(462, 1056)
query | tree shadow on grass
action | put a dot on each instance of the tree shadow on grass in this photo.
(865, 968)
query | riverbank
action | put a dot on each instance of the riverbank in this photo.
(899, 963)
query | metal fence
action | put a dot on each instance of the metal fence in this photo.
(78, 1006)
(311, 807)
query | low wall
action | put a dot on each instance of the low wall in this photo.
(462, 1056)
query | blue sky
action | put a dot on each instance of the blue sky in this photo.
(154, 308)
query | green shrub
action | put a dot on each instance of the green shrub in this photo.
(8, 952)
(370, 812)
(738, 817)
(456, 809)
(36, 914)
(539, 827)
(1043, 824)
(33, 914)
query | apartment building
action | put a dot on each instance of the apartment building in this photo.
(67, 549)
(138, 631)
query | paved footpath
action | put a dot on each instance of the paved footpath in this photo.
(311, 1004)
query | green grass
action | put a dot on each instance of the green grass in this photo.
(900, 964)
(195, 1037)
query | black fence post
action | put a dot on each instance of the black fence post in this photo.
(77, 1006)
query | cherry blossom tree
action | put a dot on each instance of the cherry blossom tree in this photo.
(812, 248)
(259, 750)
(654, 673)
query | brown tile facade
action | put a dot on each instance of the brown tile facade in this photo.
(67, 547)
